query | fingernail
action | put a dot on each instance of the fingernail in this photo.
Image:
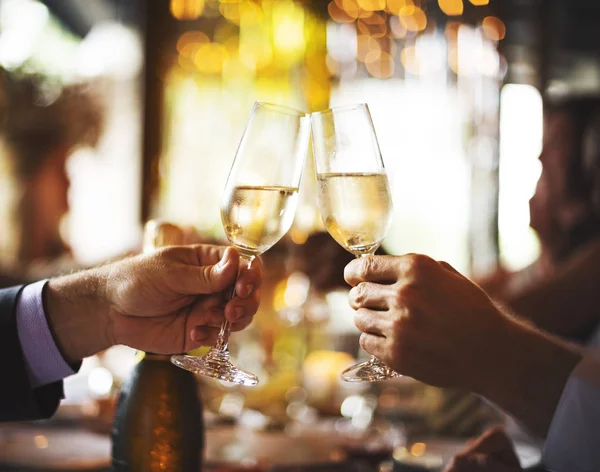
(248, 290)
(239, 313)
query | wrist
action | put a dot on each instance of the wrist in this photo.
(526, 374)
(76, 310)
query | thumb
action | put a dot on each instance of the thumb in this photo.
(216, 277)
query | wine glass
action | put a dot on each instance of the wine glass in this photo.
(353, 194)
(257, 209)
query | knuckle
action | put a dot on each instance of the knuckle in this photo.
(403, 294)
(368, 265)
(418, 264)
(358, 295)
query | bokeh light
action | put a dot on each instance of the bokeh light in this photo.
(451, 7)
(187, 9)
(413, 18)
(494, 28)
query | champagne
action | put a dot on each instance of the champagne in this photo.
(256, 217)
(356, 209)
(158, 426)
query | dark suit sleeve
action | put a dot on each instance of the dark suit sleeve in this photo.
(18, 400)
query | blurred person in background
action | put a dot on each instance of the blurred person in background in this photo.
(565, 213)
(40, 126)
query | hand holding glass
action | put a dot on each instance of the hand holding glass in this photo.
(354, 195)
(257, 209)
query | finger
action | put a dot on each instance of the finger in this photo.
(206, 313)
(373, 344)
(249, 279)
(207, 335)
(496, 443)
(239, 308)
(371, 322)
(201, 336)
(370, 295)
(372, 269)
(242, 324)
(204, 279)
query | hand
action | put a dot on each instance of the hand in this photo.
(425, 320)
(491, 452)
(168, 302)
(422, 318)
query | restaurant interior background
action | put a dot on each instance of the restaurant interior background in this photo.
(455, 89)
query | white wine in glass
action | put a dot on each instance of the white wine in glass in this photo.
(257, 209)
(354, 195)
(356, 209)
(256, 217)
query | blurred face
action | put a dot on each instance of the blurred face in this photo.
(551, 191)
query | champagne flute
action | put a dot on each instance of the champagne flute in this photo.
(257, 209)
(353, 194)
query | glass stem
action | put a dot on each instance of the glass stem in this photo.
(223, 337)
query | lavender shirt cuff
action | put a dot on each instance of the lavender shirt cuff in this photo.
(43, 360)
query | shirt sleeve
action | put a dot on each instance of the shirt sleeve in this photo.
(573, 442)
(43, 360)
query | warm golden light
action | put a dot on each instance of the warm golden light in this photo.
(413, 18)
(417, 449)
(494, 28)
(371, 5)
(451, 30)
(397, 29)
(350, 7)
(451, 7)
(337, 14)
(374, 26)
(191, 38)
(479, 3)
(230, 11)
(394, 6)
(380, 64)
(364, 45)
(40, 441)
(250, 13)
(187, 9)
(210, 57)
(373, 56)
(408, 58)
(288, 30)
(453, 59)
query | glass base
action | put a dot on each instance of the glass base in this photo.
(372, 370)
(216, 364)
